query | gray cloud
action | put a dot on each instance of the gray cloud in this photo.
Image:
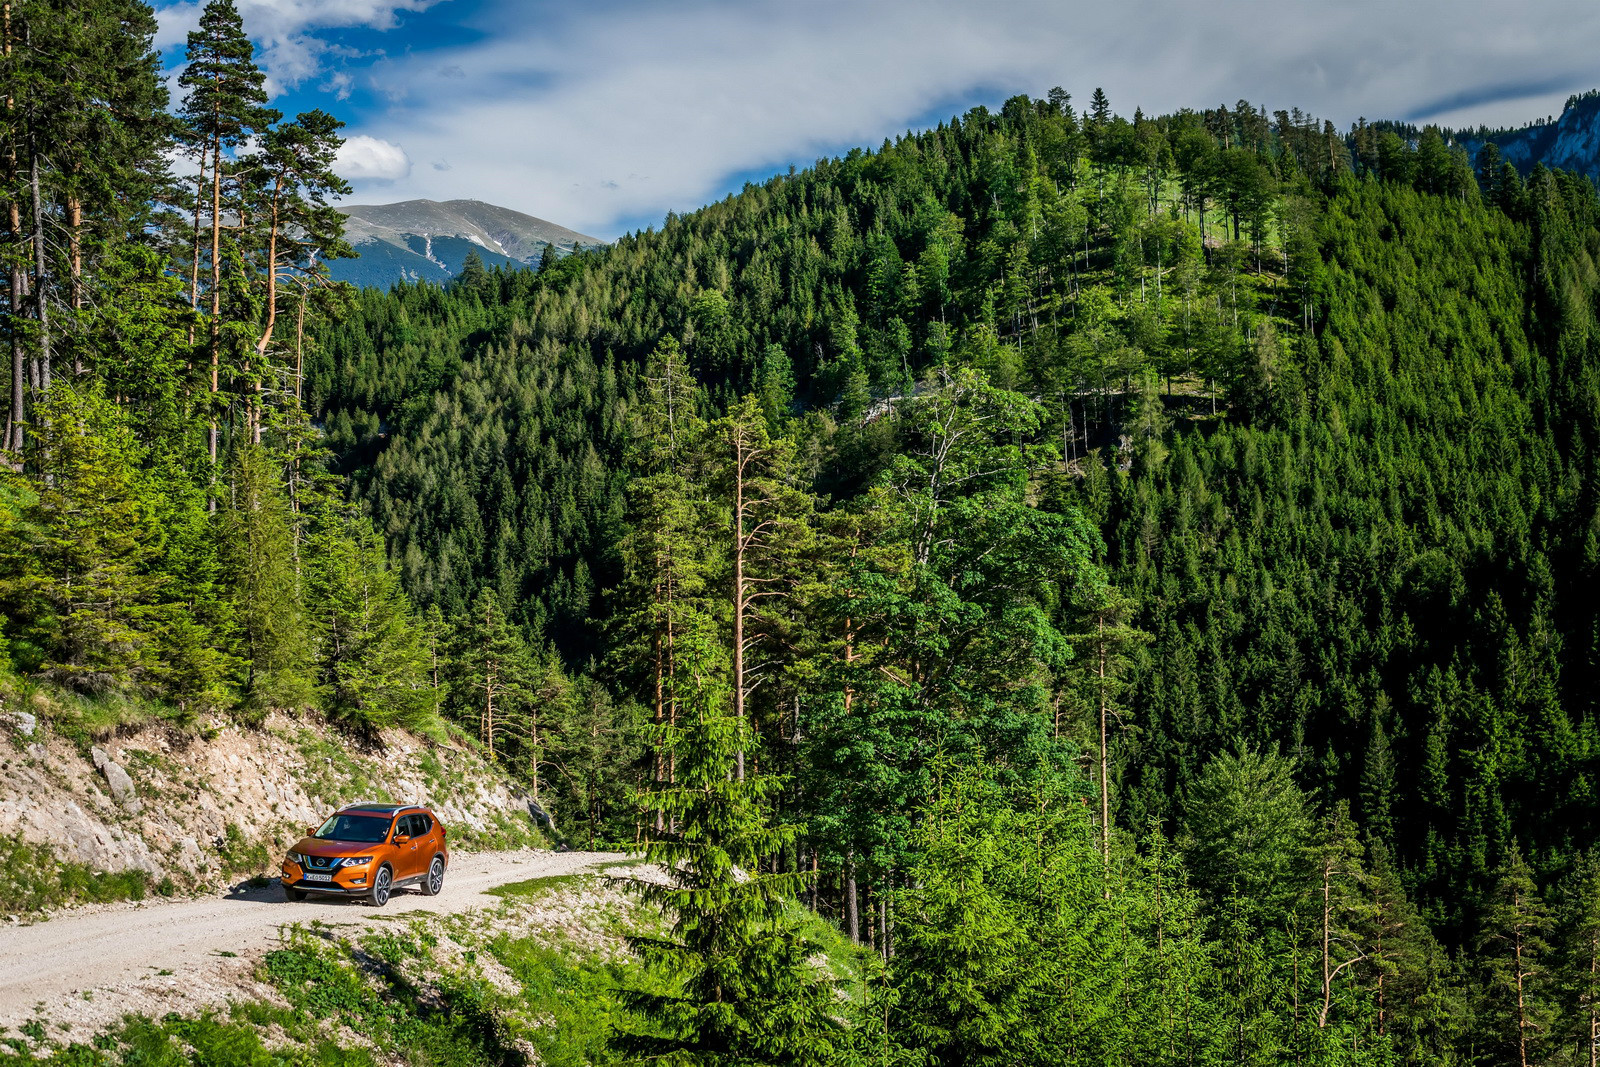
(561, 98)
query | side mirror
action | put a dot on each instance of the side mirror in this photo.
(311, 831)
(401, 839)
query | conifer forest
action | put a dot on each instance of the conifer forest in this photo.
(1135, 576)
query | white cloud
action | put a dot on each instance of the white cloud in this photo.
(561, 105)
(599, 113)
(285, 30)
(368, 159)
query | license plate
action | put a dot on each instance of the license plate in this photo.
(318, 877)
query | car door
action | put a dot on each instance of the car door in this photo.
(407, 863)
(428, 836)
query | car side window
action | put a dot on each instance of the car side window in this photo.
(422, 825)
(408, 825)
(400, 826)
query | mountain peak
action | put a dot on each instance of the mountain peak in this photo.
(427, 240)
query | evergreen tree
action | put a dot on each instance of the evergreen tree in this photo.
(742, 987)
(371, 663)
(492, 672)
(86, 592)
(1516, 975)
(267, 585)
(224, 104)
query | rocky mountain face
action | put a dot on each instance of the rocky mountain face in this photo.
(425, 240)
(1571, 142)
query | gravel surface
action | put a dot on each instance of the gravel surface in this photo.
(82, 970)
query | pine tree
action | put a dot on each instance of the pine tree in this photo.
(292, 178)
(371, 667)
(1106, 648)
(769, 531)
(743, 990)
(87, 594)
(1245, 819)
(268, 594)
(1341, 905)
(225, 103)
(491, 672)
(1580, 960)
(1515, 926)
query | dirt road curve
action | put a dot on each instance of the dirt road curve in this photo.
(82, 970)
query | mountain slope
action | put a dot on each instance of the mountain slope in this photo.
(425, 240)
(1571, 142)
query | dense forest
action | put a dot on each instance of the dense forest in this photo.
(1133, 575)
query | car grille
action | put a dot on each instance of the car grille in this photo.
(320, 863)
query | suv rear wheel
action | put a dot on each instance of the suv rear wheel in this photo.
(434, 880)
(382, 883)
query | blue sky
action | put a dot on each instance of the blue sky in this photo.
(604, 116)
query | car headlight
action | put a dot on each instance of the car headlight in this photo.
(295, 857)
(356, 861)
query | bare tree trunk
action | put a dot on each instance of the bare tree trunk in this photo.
(1594, 1014)
(299, 350)
(216, 296)
(1522, 1005)
(884, 948)
(41, 297)
(1327, 939)
(852, 910)
(272, 316)
(19, 371)
(13, 438)
(741, 457)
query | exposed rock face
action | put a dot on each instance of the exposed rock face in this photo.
(117, 778)
(20, 721)
(1571, 142)
(209, 811)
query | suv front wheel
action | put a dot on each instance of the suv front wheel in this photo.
(382, 884)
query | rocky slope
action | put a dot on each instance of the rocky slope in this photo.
(191, 811)
(425, 240)
(1571, 142)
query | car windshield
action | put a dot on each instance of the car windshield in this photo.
(371, 828)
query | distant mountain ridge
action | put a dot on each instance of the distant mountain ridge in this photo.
(1571, 142)
(428, 240)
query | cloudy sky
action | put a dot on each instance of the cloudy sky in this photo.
(604, 116)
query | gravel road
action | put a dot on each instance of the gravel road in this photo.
(84, 969)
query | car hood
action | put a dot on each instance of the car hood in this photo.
(315, 846)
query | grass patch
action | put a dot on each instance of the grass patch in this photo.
(84, 720)
(34, 879)
(534, 887)
(240, 855)
(451, 1023)
(173, 1041)
(576, 998)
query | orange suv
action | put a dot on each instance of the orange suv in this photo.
(369, 850)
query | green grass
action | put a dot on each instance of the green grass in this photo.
(34, 879)
(84, 720)
(173, 1041)
(534, 887)
(239, 855)
(450, 1024)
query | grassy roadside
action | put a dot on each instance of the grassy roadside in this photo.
(536, 980)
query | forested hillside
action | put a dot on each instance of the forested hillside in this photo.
(1320, 409)
(1134, 576)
